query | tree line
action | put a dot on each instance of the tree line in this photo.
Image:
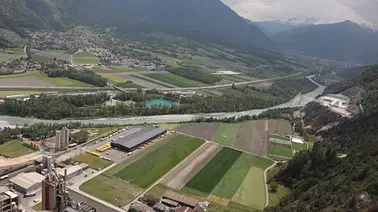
(193, 73)
(86, 76)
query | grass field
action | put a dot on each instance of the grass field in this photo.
(231, 92)
(93, 161)
(153, 166)
(209, 176)
(84, 58)
(231, 207)
(175, 80)
(298, 146)
(169, 126)
(111, 190)
(226, 133)
(14, 149)
(113, 79)
(58, 81)
(151, 81)
(37, 207)
(279, 137)
(274, 197)
(280, 149)
(11, 93)
(252, 190)
(19, 52)
(234, 177)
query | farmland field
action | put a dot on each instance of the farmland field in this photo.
(137, 79)
(175, 80)
(111, 190)
(151, 167)
(51, 54)
(84, 58)
(113, 79)
(14, 149)
(298, 146)
(154, 81)
(38, 79)
(274, 197)
(93, 161)
(208, 178)
(280, 149)
(226, 133)
(202, 130)
(182, 174)
(253, 137)
(19, 52)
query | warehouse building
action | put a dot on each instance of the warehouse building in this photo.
(27, 182)
(133, 140)
(73, 171)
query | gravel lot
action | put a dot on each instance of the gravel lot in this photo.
(23, 81)
(182, 174)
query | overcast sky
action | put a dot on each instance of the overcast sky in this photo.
(323, 10)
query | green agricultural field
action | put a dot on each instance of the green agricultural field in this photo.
(175, 80)
(169, 126)
(151, 81)
(19, 52)
(93, 161)
(226, 133)
(111, 190)
(231, 92)
(113, 79)
(252, 190)
(298, 146)
(151, 167)
(279, 137)
(274, 197)
(280, 150)
(14, 149)
(11, 93)
(84, 58)
(231, 207)
(209, 176)
(117, 68)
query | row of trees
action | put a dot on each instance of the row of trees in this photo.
(196, 75)
(86, 76)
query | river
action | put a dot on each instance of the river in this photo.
(297, 101)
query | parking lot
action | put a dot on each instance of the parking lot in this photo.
(114, 155)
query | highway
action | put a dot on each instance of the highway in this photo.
(113, 87)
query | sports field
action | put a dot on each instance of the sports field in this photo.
(226, 133)
(153, 166)
(110, 189)
(175, 80)
(84, 58)
(93, 161)
(14, 149)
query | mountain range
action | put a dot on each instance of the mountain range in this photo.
(205, 20)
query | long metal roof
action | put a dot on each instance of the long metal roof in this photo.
(139, 137)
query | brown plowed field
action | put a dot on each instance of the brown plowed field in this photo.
(202, 130)
(187, 170)
(253, 137)
(279, 126)
(23, 81)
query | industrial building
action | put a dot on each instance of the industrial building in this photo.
(9, 201)
(72, 171)
(133, 140)
(62, 139)
(27, 182)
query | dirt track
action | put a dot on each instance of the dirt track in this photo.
(186, 171)
(202, 130)
(23, 81)
(4, 162)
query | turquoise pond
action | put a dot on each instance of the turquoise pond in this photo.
(159, 102)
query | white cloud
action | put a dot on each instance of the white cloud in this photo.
(324, 11)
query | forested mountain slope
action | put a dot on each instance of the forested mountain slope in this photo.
(345, 41)
(322, 181)
(203, 20)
